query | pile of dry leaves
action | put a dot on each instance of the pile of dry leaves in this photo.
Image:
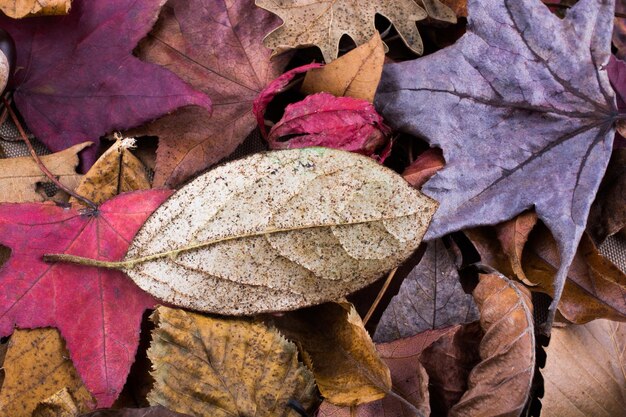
(421, 240)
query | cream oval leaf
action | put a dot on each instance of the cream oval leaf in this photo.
(278, 231)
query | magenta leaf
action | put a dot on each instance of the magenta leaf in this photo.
(272, 90)
(334, 122)
(97, 311)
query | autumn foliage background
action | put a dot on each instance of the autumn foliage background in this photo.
(156, 261)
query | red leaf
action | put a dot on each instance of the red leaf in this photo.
(333, 122)
(77, 79)
(272, 90)
(97, 311)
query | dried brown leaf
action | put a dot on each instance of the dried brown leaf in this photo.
(608, 212)
(23, 8)
(339, 351)
(217, 48)
(115, 172)
(223, 367)
(424, 167)
(500, 383)
(431, 297)
(323, 23)
(356, 74)
(501, 246)
(513, 236)
(595, 288)
(19, 176)
(458, 6)
(36, 366)
(448, 362)
(438, 10)
(278, 231)
(157, 411)
(584, 372)
(409, 397)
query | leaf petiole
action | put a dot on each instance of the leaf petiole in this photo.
(7, 106)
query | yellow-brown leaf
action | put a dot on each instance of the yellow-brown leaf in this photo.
(356, 74)
(221, 367)
(23, 8)
(36, 366)
(59, 404)
(116, 171)
(595, 288)
(347, 368)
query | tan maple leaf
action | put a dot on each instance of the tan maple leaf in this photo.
(324, 22)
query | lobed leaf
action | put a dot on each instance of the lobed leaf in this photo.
(523, 119)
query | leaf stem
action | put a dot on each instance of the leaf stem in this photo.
(131, 263)
(382, 292)
(38, 161)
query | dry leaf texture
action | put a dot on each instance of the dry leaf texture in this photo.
(448, 362)
(36, 366)
(499, 385)
(410, 381)
(217, 48)
(356, 74)
(608, 212)
(5, 69)
(216, 367)
(324, 22)
(19, 176)
(424, 167)
(339, 351)
(277, 86)
(277, 231)
(59, 404)
(431, 297)
(584, 373)
(595, 287)
(115, 172)
(157, 411)
(530, 116)
(22, 8)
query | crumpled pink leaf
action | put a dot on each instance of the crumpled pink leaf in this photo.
(272, 90)
(334, 122)
(523, 119)
(77, 79)
(97, 311)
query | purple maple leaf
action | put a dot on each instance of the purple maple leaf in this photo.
(522, 107)
(76, 78)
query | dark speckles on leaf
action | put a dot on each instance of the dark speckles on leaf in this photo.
(538, 133)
